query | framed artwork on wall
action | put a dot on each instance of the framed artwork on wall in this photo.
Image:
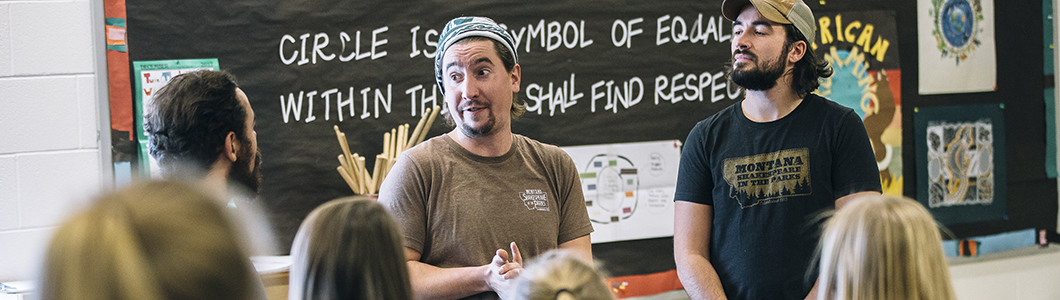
(960, 154)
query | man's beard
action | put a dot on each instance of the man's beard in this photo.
(484, 130)
(242, 172)
(763, 77)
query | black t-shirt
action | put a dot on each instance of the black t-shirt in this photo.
(767, 184)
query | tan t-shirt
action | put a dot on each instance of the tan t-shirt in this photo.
(457, 208)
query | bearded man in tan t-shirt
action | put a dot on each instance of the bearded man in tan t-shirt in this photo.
(464, 197)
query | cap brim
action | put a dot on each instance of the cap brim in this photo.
(770, 12)
(731, 9)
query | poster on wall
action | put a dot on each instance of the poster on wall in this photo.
(628, 188)
(150, 76)
(862, 49)
(961, 151)
(956, 46)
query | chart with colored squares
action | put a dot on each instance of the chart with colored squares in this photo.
(628, 188)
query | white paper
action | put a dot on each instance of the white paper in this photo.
(967, 60)
(271, 264)
(14, 287)
(629, 188)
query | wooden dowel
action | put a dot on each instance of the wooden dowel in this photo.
(379, 159)
(344, 163)
(342, 141)
(364, 175)
(397, 141)
(386, 144)
(427, 126)
(346, 177)
(393, 143)
(355, 174)
(343, 144)
(348, 156)
(419, 127)
(403, 139)
(383, 172)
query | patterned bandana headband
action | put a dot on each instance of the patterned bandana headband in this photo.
(462, 27)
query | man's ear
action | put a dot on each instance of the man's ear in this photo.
(231, 146)
(516, 76)
(798, 50)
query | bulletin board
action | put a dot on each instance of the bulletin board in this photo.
(594, 72)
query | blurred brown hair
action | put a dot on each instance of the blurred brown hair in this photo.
(349, 248)
(156, 240)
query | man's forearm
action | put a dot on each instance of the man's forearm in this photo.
(699, 278)
(582, 247)
(430, 282)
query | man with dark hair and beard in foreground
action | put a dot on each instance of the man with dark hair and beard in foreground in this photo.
(201, 125)
(200, 129)
(754, 176)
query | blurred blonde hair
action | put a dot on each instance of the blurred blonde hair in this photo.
(559, 274)
(883, 247)
(349, 248)
(156, 240)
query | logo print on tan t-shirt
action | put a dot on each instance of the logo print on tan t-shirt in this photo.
(534, 200)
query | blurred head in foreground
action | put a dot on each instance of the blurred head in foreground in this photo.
(883, 247)
(349, 248)
(200, 125)
(559, 274)
(157, 240)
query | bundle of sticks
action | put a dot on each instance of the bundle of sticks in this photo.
(352, 169)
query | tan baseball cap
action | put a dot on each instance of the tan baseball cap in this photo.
(793, 12)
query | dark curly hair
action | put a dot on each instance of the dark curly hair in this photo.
(189, 118)
(809, 69)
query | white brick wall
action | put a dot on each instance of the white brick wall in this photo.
(88, 111)
(52, 184)
(5, 36)
(1020, 278)
(24, 248)
(8, 193)
(51, 37)
(49, 153)
(40, 114)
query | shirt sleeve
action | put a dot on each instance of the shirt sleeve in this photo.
(695, 182)
(404, 195)
(574, 217)
(854, 169)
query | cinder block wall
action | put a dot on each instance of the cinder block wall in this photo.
(49, 153)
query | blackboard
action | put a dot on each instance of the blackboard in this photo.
(670, 53)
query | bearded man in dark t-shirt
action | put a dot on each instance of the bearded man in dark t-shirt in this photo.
(754, 176)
